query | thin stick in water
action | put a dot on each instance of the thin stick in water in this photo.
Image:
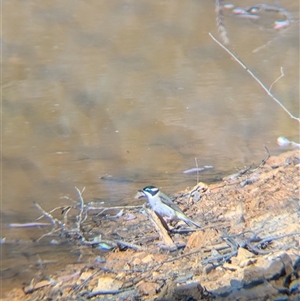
(254, 76)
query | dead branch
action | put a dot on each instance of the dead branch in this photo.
(129, 245)
(127, 292)
(277, 79)
(58, 226)
(28, 225)
(103, 209)
(255, 78)
(272, 238)
(97, 293)
(76, 233)
(252, 248)
(160, 226)
(33, 287)
(80, 218)
(53, 220)
(264, 161)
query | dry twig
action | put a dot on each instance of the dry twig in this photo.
(255, 77)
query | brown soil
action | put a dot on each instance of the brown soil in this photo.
(248, 248)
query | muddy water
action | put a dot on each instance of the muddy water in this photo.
(114, 95)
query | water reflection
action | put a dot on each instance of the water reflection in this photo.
(136, 90)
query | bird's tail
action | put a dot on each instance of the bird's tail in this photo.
(189, 222)
(183, 217)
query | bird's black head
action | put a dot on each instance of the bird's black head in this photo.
(152, 190)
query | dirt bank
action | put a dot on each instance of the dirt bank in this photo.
(248, 248)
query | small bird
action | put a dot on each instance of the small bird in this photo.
(163, 206)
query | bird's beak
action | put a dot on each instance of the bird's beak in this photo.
(139, 194)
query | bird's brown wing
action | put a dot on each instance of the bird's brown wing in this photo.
(165, 199)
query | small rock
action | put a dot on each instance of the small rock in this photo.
(275, 270)
(236, 284)
(242, 258)
(85, 275)
(247, 262)
(285, 258)
(253, 276)
(208, 268)
(148, 288)
(136, 261)
(191, 291)
(148, 259)
(108, 284)
(156, 275)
